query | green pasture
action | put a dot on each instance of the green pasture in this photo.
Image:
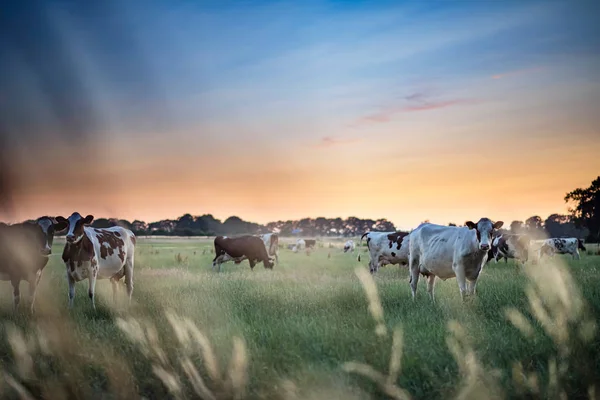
(290, 332)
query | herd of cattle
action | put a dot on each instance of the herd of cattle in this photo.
(430, 250)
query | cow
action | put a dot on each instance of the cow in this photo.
(24, 252)
(386, 248)
(240, 248)
(559, 246)
(509, 245)
(444, 252)
(349, 246)
(271, 241)
(97, 253)
(305, 243)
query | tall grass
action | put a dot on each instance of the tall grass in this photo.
(319, 327)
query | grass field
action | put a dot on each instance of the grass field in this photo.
(306, 330)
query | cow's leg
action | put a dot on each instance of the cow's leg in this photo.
(413, 266)
(431, 287)
(71, 283)
(114, 281)
(576, 255)
(92, 277)
(459, 271)
(252, 264)
(471, 285)
(16, 293)
(34, 283)
(129, 277)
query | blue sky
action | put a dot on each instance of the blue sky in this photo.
(440, 93)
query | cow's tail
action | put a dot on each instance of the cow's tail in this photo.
(360, 244)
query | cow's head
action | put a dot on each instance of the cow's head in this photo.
(49, 226)
(76, 223)
(580, 245)
(484, 229)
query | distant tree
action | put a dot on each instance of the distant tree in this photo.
(516, 226)
(586, 209)
(535, 226)
(451, 224)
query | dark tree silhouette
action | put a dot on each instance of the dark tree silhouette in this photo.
(586, 208)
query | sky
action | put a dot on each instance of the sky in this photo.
(448, 111)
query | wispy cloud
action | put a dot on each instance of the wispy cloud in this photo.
(516, 72)
(416, 102)
(331, 141)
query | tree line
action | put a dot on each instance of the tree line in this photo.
(583, 221)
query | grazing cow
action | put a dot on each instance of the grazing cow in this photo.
(305, 243)
(559, 246)
(94, 253)
(271, 241)
(349, 246)
(386, 248)
(509, 245)
(24, 252)
(240, 248)
(448, 251)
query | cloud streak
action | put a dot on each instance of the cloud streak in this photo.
(418, 102)
(332, 141)
(516, 72)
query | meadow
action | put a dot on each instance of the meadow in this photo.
(316, 327)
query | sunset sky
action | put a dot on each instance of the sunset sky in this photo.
(447, 111)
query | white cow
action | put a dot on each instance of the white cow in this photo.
(386, 248)
(93, 253)
(558, 245)
(448, 251)
(349, 246)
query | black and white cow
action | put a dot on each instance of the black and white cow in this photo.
(509, 245)
(559, 246)
(386, 248)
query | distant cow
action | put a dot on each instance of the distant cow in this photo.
(97, 253)
(305, 243)
(271, 241)
(450, 252)
(509, 245)
(386, 248)
(559, 246)
(239, 248)
(24, 252)
(349, 246)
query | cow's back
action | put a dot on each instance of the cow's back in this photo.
(112, 247)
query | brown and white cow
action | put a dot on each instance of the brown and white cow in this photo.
(271, 241)
(302, 244)
(240, 248)
(386, 248)
(24, 252)
(97, 253)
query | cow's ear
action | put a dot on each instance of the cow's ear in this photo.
(59, 226)
(61, 219)
(88, 220)
(498, 224)
(470, 225)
